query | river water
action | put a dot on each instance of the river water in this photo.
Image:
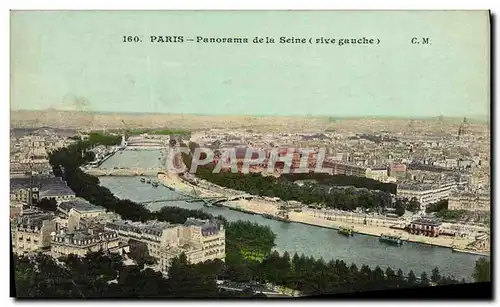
(299, 238)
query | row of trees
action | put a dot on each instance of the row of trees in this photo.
(247, 240)
(178, 132)
(98, 275)
(343, 180)
(324, 191)
(315, 276)
(442, 211)
(452, 215)
(105, 275)
(104, 139)
(320, 178)
(404, 204)
(437, 206)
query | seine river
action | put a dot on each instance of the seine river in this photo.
(299, 238)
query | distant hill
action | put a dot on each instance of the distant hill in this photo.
(18, 132)
(306, 124)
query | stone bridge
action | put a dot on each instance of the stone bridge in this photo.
(209, 200)
(124, 172)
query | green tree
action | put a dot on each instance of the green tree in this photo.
(391, 277)
(89, 156)
(400, 275)
(413, 205)
(412, 279)
(482, 270)
(186, 281)
(378, 275)
(438, 206)
(140, 253)
(424, 279)
(435, 277)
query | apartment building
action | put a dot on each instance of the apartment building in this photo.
(79, 213)
(61, 222)
(82, 241)
(479, 180)
(80, 206)
(379, 173)
(199, 240)
(209, 235)
(25, 167)
(22, 194)
(16, 208)
(153, 233)
(56, 188)
(397, 170)
(425, 194)
(346, 169)
(41, 187)
(31, 231)
(475, 202)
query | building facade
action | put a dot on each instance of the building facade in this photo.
(80, 242)
(41, 187)
(199, 240)
(425, 226)
(475, 202)
(80, 207)
(31, 231)
(426, 194)
(22, 194)
(338, 168)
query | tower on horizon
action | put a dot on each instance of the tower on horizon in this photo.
(463, 129)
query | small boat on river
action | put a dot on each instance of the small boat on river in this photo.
(346, 231)
(276, 217)
(391, 239)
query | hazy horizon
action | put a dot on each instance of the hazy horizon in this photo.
(477, 118)
(76, 61)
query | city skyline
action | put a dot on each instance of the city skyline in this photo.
(481, 118)
(69, 69)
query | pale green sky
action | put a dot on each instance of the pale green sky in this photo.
(59, 56)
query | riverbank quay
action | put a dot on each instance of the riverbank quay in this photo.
(357, 224)
(102, 155)
(269, 289)
(373, 227)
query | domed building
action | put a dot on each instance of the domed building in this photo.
(464, 128)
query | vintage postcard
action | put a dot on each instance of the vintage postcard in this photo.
(214, 154)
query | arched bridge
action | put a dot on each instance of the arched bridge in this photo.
(209, 200)
(124, 172)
